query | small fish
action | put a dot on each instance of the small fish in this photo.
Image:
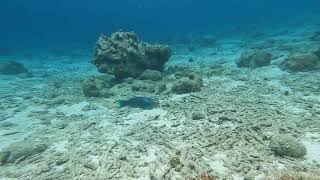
(139, 102)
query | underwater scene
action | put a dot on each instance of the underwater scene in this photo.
(160, 90)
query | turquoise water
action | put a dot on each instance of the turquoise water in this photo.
(60, 23)
(160, 89)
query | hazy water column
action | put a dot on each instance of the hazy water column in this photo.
(34, 22)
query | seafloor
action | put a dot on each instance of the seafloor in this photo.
(221, 132)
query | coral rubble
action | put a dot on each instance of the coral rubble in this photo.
(139, 102)
(293, 175)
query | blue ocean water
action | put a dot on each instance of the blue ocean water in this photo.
(202, 89)
(31, 23)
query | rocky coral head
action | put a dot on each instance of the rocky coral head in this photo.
(286, 145)
(300, 62)
(125, 36)
(254, 59)
(124, 55)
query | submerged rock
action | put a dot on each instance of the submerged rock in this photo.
(143, 86)
(4, 157)
(285, 145)
(57, 101)
(124, 55)
(300, 62)
(161, 87)
(254, 59)
(315, 36)
(317, 52)
(198, 116)
(207, 41)
(187, 85)
(6, 124)
(174, 161)
(20, 151)
(152, 75)
(139, 102)
(285, 174)
(96, 87)
(12, 67)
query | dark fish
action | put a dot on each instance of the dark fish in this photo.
(139, 102)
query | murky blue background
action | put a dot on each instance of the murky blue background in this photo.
(62, 23)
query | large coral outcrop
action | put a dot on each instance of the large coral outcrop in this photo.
(124, 55)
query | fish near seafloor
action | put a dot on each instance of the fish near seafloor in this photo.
(139, 102)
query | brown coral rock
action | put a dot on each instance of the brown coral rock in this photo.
(124, 55)
(254, 59)
(300, 62)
